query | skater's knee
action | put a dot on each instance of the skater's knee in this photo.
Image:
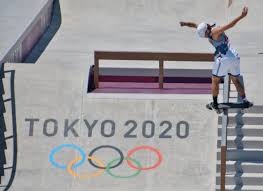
(216, 80)
(235, 80)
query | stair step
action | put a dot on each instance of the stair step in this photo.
(247, 130)
(2, 123)
(3, 145)
(2, 156)
(245, 149)
(245, 179)
(247, 155)
(2, 89)
(246, 167)
(2, 107)
(243, 188)
(230, 166)
(245, 142)
(252, 167)
(2, 170)
(247, 113)
(246, 120)
(245, 138)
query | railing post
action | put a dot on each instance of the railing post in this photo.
(226, 91)
(161, 74)
(96, 71)
(241, 80)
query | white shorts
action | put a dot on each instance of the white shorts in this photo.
(227, 64)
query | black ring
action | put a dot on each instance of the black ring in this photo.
(106, 146)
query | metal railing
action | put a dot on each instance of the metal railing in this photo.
(148, 56)
(226, 94)
(13, 136)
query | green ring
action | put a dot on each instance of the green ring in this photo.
(108, 169)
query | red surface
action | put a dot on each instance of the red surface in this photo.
(154, 79)
(153, 88)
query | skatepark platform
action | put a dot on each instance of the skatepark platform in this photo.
(56, 135)
(62, 112)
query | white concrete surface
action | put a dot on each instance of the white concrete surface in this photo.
(50, 96)
(55, 88)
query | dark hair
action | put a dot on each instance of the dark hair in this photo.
(209, 27)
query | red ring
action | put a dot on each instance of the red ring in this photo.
(160, 158)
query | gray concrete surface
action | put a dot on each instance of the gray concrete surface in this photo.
(22, 23)
(186, 156)
(55, 88)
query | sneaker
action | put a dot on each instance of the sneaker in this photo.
(212, 106)
(247, 103)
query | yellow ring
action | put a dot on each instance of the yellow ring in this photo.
(85, 176)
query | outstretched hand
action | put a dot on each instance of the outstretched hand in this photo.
(244, 12)
(188, 24)
(182, 24)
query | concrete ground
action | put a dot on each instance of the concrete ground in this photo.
(50, 105)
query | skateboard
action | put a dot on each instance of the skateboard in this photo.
(223, 106)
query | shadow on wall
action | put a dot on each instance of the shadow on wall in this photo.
(48, 35)
(241, 155)
(8, 164)
(245, 149)
(2, 127)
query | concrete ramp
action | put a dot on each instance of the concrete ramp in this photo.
(70, 140)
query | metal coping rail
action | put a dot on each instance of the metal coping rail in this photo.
(154, 56)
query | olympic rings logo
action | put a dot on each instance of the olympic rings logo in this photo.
(97, 163)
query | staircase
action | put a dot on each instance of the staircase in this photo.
(244, 166)
(3, 146)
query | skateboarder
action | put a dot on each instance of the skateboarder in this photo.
(227, 60)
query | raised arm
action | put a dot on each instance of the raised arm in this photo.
(188, 24)
(219, 30)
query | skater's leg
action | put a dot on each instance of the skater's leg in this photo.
(215, 88)
(238, 86)
(240, 90)
(215, 92)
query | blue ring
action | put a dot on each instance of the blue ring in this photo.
(57, 149)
